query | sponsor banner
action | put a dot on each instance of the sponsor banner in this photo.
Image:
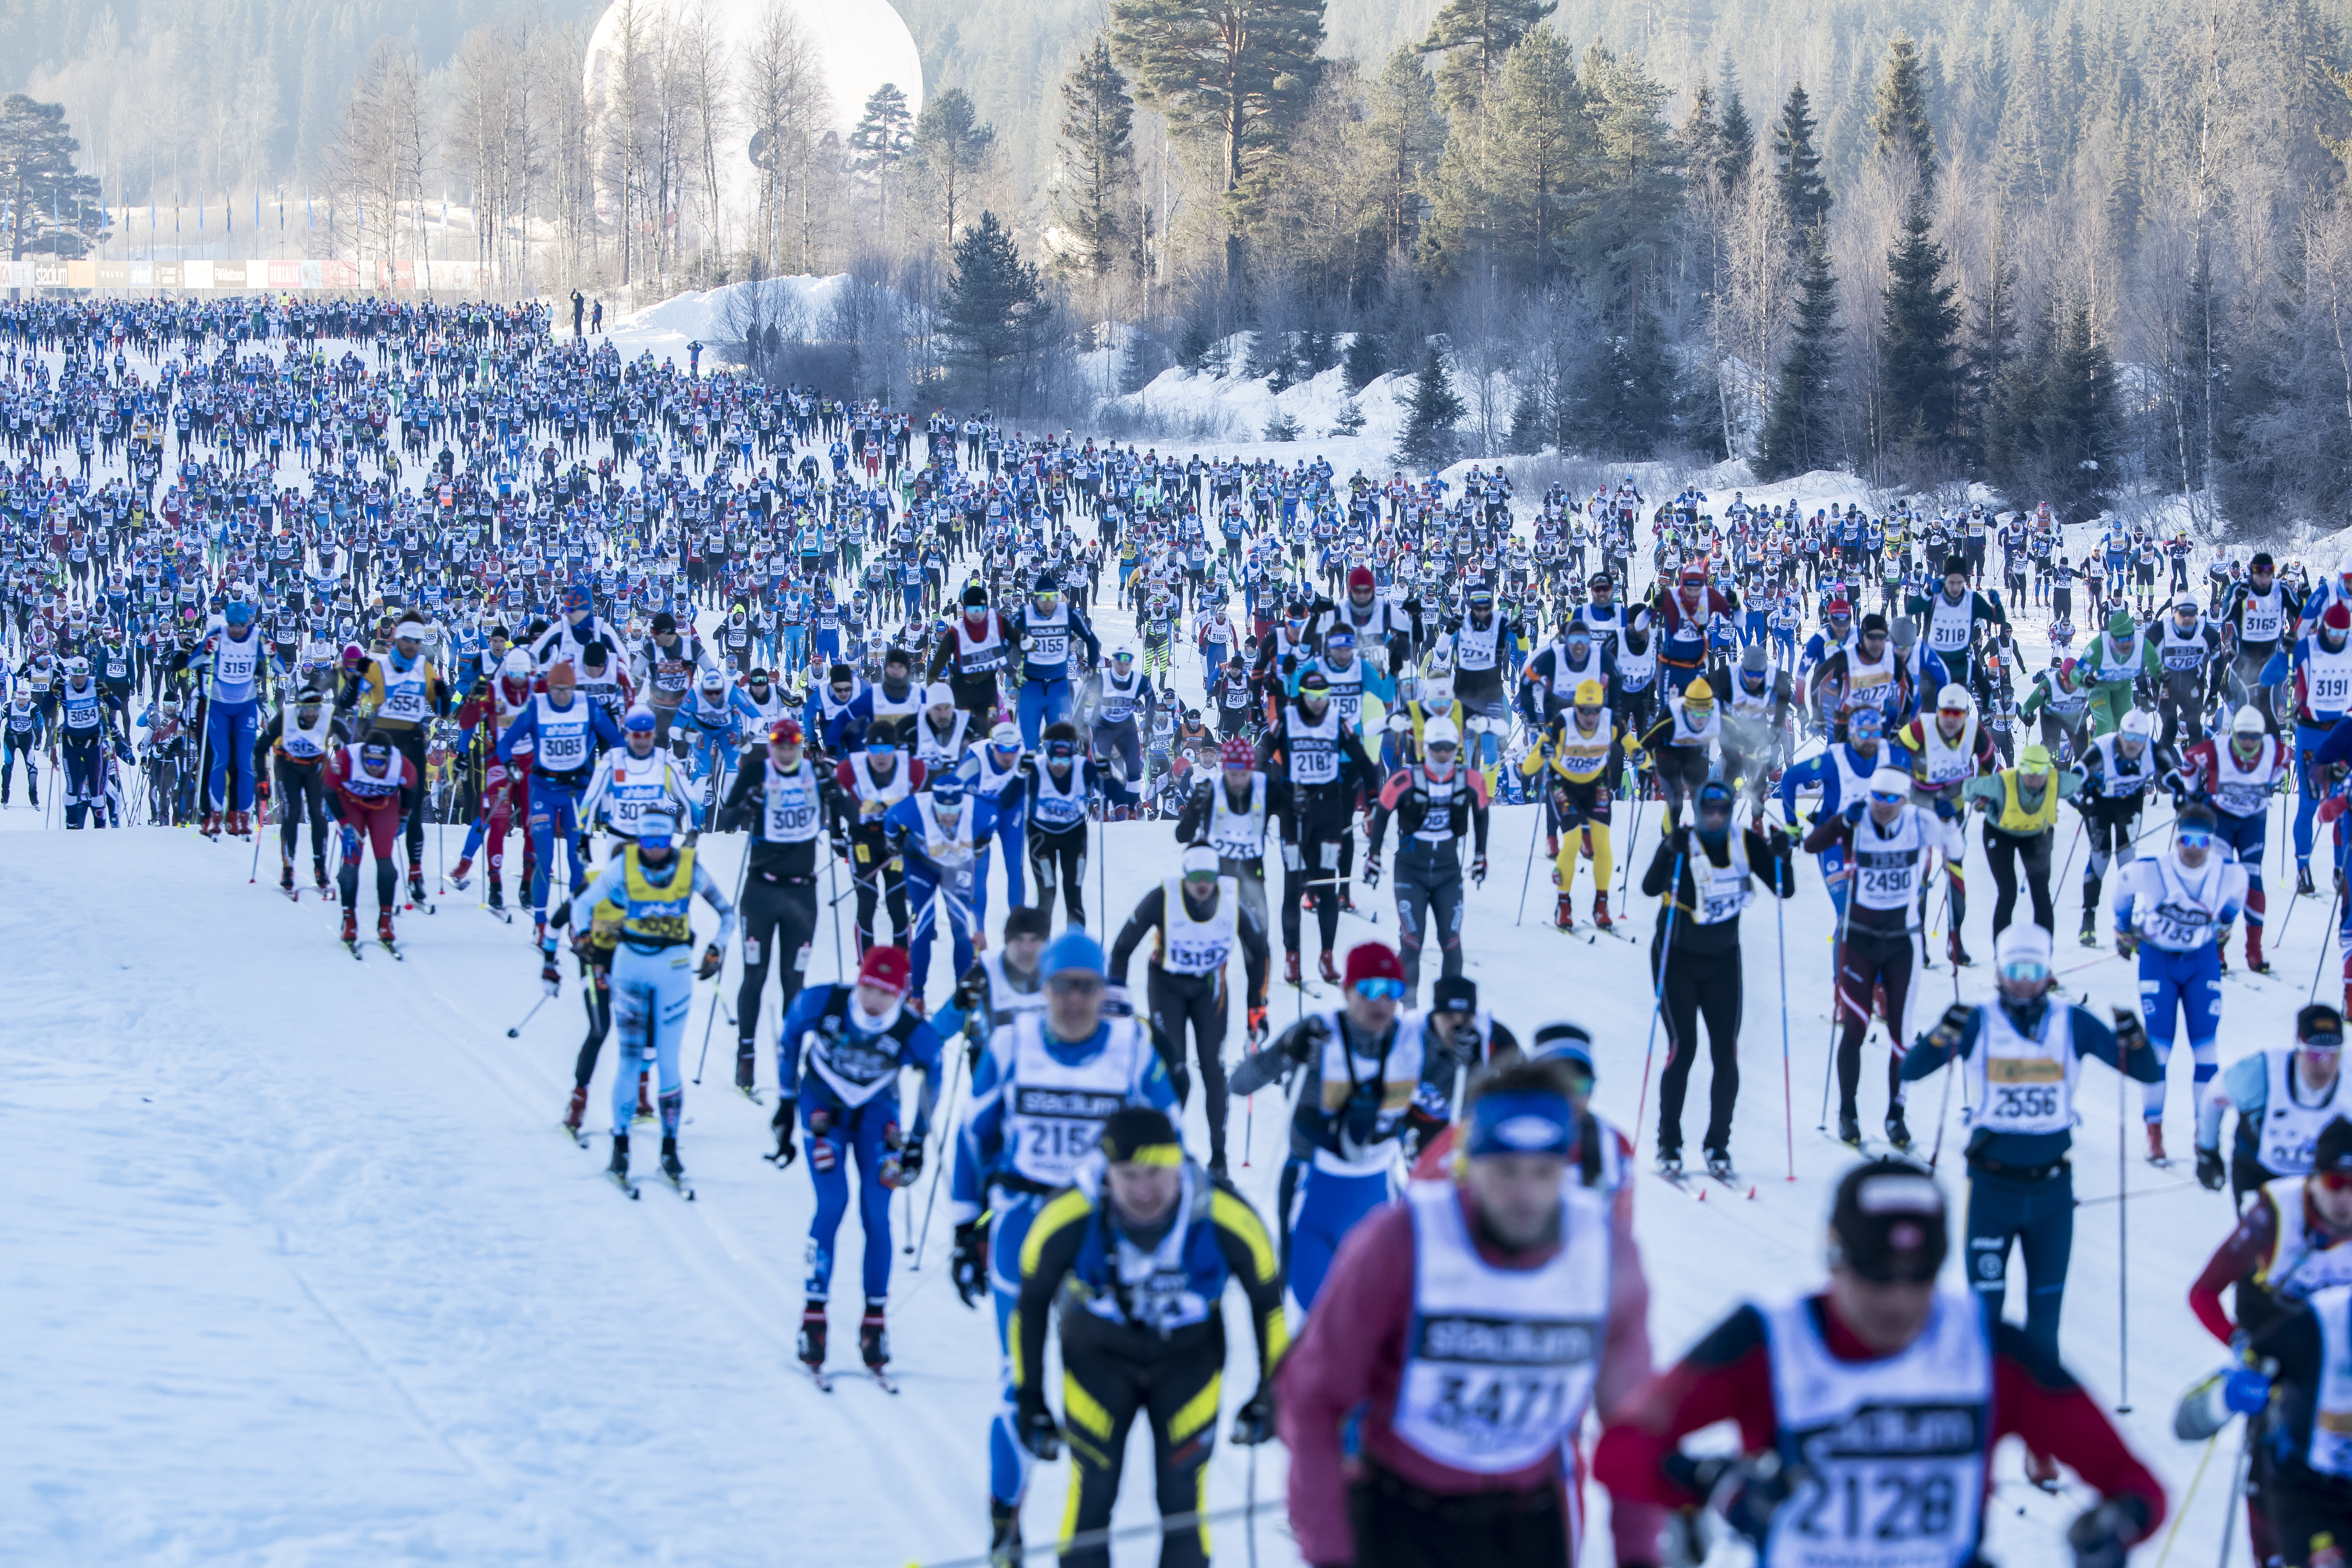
(195, 274)
(113, 275)
(142, 274)
(81, 274)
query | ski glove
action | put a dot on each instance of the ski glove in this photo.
(1478, 872)
(2131, 1035)
(1746, 1493)
(2101, 1537)
(781, 1125)
(2210, 1174)
(1042, 1438)
(713, 960)
(1946, 1034)
(2127, 944)
(1256, 1027)
(1254, 1422)
(1372, 869)
(910, 1161)
(968, 1266)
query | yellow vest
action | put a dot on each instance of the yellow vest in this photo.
(654, 915)
(2014, 819)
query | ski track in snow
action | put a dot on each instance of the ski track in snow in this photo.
(300, 1273)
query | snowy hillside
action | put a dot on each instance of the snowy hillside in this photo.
(302, 1272)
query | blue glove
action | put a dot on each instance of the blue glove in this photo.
(1852, 813)
(2246, 1391)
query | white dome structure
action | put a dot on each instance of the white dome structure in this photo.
(858, 46)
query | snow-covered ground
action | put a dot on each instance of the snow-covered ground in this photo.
(715, 317)
(301, 1272)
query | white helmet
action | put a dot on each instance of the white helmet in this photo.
(2022, 941)
(1440, 732)
(516, 666)
(2249, 721)
(940, 694)
(1954, 699)
(2139, 724)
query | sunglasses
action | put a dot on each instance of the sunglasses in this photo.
(2191, 839)
(1380, 990)
(1075, 984)
(2333, 1180)
(882, 748)
(1888, 797)
(1060, 751)
(2025, 971)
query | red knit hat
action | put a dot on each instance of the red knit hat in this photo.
(1372, 961)
(1360, 577)
(884, 968)
(1236, 753)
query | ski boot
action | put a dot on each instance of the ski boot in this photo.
(2302, 878)
(670, 1165)
(417, 885)
(212, 827)
(319, 875)
(577, 1109)
(873, 1339)
(1563, 913)
(1551, 847)
(1290, 967)
(351, 926)
(1955, 951)
(1718, 1164)
(2156, 1154)
(745, 1059)
(1329, 970)
(464, 869)
(285, 874)
(383, 931)
(2090, 929)
(1670, 1162)
(237, 827)
(1849, 1128)
(618, 1167)
(1898, 1131)
(2255, 962)
(1601, 912)
(498, 893)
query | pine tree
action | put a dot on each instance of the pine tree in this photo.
(1431, 411)
(1097, 127)
(1633, 396)
(1237, 72)
(1701, 137)
(51, 210)
(1900, 119)
(1986, 432)
(1919, 395)
(1802, 190)
(949, 146)
(1401, 136)
(1474, 36)
(1798, 432)
(994, 302)
(1738, 132)
(883, 134)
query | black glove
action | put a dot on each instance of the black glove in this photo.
(1254, 1422)
(968, 1266)
(1746, 1492)
(910, 1161)
(713, 960)
(2101, 1537)
(781, 1125)
(1034, 1424)
(2210, 1174)
(2131, 1034)
(1950, 1027)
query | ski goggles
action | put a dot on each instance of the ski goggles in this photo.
(1380, 990)
(1075, 982)
(2193, 837)
(1061, 750)
(1890, 797)
(882, 748)
(2333, 1180)
(2025, 970)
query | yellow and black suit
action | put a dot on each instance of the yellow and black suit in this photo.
(1575, 768)
(1141, 1331)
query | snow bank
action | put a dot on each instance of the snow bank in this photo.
(713, 317)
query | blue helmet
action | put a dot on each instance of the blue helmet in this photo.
(640, 721)
(238, 613)
(1073, 949)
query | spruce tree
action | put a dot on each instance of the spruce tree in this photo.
(1098, 125)
(1797, 436)
(1802, 189)
(1919, 391)
(1900, 119)
(2078, 417)
(1738, 132)
(1432, 410)
(1366, 361)
(993, 302)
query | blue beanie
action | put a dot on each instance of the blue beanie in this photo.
(1074, 949)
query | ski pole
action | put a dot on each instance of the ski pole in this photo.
(2123, 1243)
(719, 981)
(1837, 1001)
(1658, 997)
(1534, 827)
(516, 1033)
(1787, 1092)
(2315, 969)
(947, 1140)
